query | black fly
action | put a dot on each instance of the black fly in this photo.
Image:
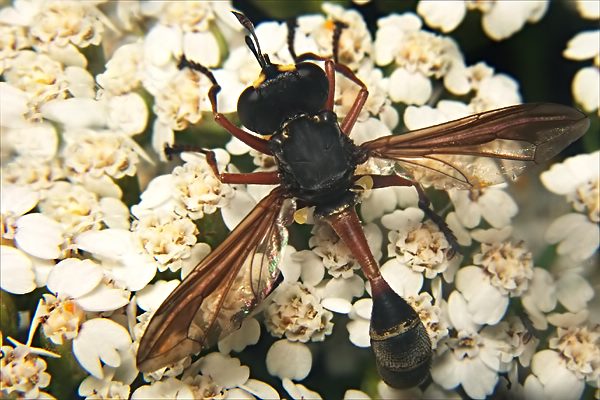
(290, 107)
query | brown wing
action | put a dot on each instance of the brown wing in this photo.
(483, 149)
(213, 299)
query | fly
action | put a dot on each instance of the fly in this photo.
(290, 108)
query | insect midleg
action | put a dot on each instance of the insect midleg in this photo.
(255, 178)
(253, 141)
(381, 181)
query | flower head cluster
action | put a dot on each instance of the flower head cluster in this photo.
(297, 313)
(92, 215)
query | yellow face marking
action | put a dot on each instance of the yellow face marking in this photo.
(261, 78)
(286, 68)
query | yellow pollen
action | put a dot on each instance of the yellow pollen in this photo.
(329, 24)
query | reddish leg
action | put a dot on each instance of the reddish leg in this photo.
(380, 181)
(330, 72)
(253, 141)
(255, 178)
(361, 98)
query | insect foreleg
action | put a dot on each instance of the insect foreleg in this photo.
(253, 141)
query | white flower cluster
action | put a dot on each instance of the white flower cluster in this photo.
(78, 150)
(585, 46)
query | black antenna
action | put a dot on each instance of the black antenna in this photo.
(253, 46)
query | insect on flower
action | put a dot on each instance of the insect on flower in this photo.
(290, 107)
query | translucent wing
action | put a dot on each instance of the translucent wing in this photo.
(214, 298)
(483, 149)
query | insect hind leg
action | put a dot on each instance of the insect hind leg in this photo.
(381, 181)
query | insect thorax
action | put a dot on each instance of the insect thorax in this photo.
(316, 159)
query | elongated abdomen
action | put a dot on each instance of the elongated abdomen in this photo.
(399, 339)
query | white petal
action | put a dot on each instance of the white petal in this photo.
(344, 288)
(507, 18)
(17, 200)
(42, 269)
(290, 266)
(239, 206)
(116, 213)
(578, 237)
(363, 308)
(224, 370)
(161, 44)
(299, 392)
(497, 207)
(459, 314)
(159, 190)
(588, 9)
(103, 298)
(358, 333)
(583, 46)
(409, 87)
(445, 15)
(13, 106)
(564, 178)
(74, 278)
(162, 135)
(199, 251)
(421, 117)
(584, 86)
(39, 236)
(38, 140)
(170, 388)
(462, 235)
(574, 292)
(335, 304)
(467, 211)
(236, 147)
(201, 47)
(103, 186)
(76, 112)
(353, 394)
(478, 380)
(260, 389)
(16, 271)
(558, 381)
(80, 81)
(287, 359)
(127, 113)
(379, 202)
(485, 303)
(152, 296)
(312, 267)
(445, 371)
(106, 243)
(403, 280)
(238, 340)
(100, 339)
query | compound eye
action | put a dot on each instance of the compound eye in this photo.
(259, 114)
(312, 88)
(285, 94)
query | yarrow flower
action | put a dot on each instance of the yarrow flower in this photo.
(98, 229)
(578, 179)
